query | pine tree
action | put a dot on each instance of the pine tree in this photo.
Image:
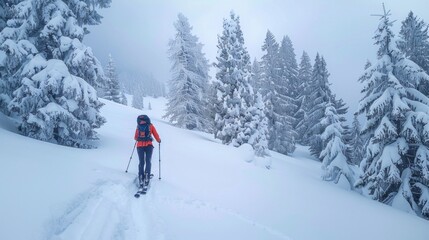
(189, 84)
(5, 92)
(414, 43)
(112, 88)
(304, 78)
(124, 100)
(289, 89)
(275, 90)
(357, 143)
(333, 155)
(396, 164)
(319, 96)
(137, 100)
(47, 67)
(255, 80)
(3, 18)
(289, 66)
(259, 127)
(233, 121)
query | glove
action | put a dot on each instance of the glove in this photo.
(159, 141)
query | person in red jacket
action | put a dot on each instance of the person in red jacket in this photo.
(143, 135)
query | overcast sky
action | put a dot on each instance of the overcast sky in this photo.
(136, 32)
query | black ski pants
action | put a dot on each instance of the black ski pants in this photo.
(145, 156)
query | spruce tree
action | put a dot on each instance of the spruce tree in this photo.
(258, 127)
(189, 83)
(319, 96)
(137, 100)
(357, 142)
(255, 80)
(277, 101)
(112, 88)
(269, 75)
(333, 155)
(304, 78)
(48, 70)
(396, 164)
(414, 43)
(289, 66)
(289, 91)
(233, 121)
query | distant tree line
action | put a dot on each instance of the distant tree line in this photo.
(140, 86)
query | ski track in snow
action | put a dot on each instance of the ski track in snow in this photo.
(198, 204)
(110, 211)
(100, 213)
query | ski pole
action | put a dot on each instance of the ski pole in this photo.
(159, 161)
(131, 156)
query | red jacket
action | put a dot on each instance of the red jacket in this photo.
(152, 131)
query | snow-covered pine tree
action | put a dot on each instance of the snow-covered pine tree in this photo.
(4, 89)
(269, 75)
(40, 40)
(414, 43)
(319, 96)
(188, 86)
(396, 164)
(259, 127)
(137, 100)
(112, 90)
(255, 80)
(63, 33)
(56, 106)
(275, 91)
(270, 66)
(124, 100)
(3, 15)
(333, 155)
(235, 95)
(289, 88)
(304, 77)
(357, 142)
(289, 66)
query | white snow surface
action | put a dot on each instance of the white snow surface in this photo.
(208, 191)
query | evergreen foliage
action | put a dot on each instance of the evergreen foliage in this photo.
(320, 96)
(276, 89)
(357, 143)
(237, 114)
(189, 83)
(112, 88)
(414, 43)
(305, 70)
(333, 155)
(47, 68)
(396, 164)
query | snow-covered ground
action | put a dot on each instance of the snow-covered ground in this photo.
(207, 191)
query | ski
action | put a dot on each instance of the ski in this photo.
(146, 188)
(139, 192)
(143, 189)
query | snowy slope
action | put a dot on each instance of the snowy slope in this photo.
(207, 191)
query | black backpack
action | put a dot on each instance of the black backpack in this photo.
(143, 128)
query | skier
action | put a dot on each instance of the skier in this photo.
(143, 135)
